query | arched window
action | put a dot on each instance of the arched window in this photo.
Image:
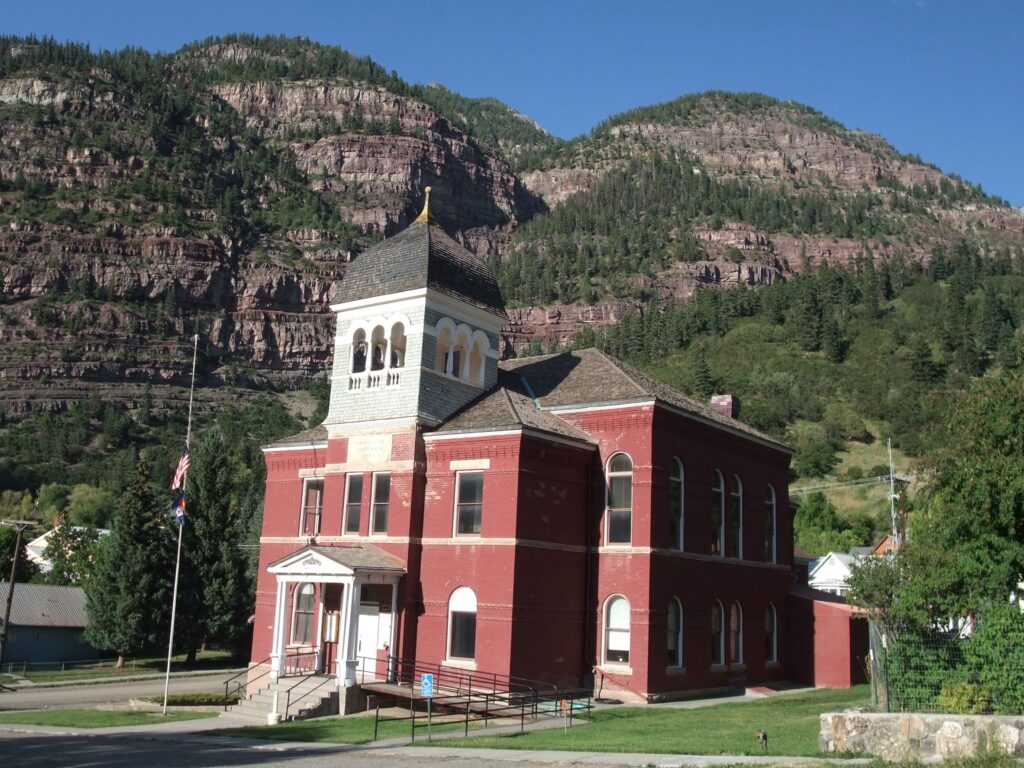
(397, 346)
(735, 634)
(771, 646)
(717, 512)
(477, 354)
(619, 519)
(378, 349)
(616, 630)
(717, 634)
(462, 624)
(675, 505)
(675, 633)
(359, 351)
(734, 534)
(445, 339)
(460, 353)
(303, 607)
(769, 525)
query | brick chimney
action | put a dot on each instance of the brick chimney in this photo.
(726, 405)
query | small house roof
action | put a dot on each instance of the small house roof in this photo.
(45, 605)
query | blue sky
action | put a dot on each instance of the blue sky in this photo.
(940, 78)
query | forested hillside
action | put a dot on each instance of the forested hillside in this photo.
(722, 242)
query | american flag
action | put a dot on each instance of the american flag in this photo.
(181, 471)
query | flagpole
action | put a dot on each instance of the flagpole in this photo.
(181, 526)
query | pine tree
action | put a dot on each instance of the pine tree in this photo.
(216, 565)
(704, 382)
(128, 598)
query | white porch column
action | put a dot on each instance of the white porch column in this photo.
(350, 621)
(394, 630)
(345, 632)
(277, 646)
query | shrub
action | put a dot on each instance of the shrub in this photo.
(995, 657)
(964, 698)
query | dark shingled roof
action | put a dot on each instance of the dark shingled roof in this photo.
(509, 407)
(589, 376)
(354, 556)
(421, 256)
(314, 435)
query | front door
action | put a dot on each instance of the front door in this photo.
(367, 636)
(331, 626)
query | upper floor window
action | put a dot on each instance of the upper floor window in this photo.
(717, 512)
(769, 525)
(675, 505)
(734, 533)
(359, 348)
(461, 352)
(381, 503)
(312, 502)
(735, 634)
(675, 633)
(304, 603)
(717, 634)
(616, 630)
(353, 503)
(619, 520)
(462, 624)
(771, 647)
(397, 343)
(469, 502)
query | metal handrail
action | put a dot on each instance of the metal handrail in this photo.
(249, 680)
(288, 697)
(452, 678)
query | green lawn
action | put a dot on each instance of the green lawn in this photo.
(96, 718)
(791, 721)
(143, 666)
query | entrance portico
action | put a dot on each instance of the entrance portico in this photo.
(329, 605)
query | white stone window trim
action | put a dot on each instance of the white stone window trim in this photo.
(608, 509)
(373, 505)
(455, 512)
(345, 504)
(319, 509)
(607, 631)
(462, 600)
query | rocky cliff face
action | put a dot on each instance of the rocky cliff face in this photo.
(136, 212)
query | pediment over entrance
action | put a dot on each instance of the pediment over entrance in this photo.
(348, 560)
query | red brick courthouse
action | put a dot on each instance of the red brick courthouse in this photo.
(562, 518)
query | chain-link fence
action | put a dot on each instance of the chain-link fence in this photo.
(954, 670)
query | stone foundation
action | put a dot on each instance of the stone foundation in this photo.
(895, 736)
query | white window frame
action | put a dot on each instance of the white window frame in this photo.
(609, 629)
(462, 600)
(346, 503)
(680, 660)
(737, 630)
(677, 484)
(608, 510)
(455, 515)
(771, 513)
(718, 490)
(373, 505)
(771, 631)
(718, 644)
(306, 482)
(735, 507)
(295, 614)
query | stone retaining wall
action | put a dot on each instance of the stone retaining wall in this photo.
(899, 735)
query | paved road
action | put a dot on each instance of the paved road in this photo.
(106, 693)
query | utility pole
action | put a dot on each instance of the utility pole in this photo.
(19, 526)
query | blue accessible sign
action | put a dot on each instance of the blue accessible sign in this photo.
(427, 685)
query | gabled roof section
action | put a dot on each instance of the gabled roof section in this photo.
(339, 560)
(590, 377)
(421, 256)
(510, 406)
(43, 605)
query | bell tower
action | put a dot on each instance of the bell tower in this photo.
(417, 334)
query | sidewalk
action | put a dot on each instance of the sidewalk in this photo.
(23, 683)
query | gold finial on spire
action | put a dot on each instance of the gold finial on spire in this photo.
(425, 215)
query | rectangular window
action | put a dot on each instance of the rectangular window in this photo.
(312, 499)
(381, 502)
(463, 640)
(620, 509)
(353, 503)
(469, 502)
